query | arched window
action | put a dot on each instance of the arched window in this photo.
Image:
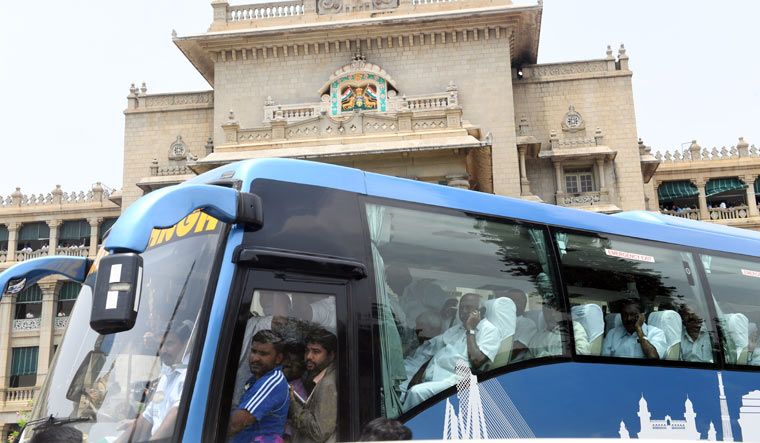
(66, 298)
(29, 303)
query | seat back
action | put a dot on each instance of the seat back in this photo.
(502, 357)
(538, 318)
(737, 326)
(502, 313)
(590, 316)
(670, 323)
(611, 321)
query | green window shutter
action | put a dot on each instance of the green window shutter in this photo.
(69, 291)
(75, 230)
(757, 186)
(32, 294)
(719, 185)
(34, 231)
(676, 189)
(4, 232)
(24, 361)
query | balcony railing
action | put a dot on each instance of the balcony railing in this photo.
(20, 395)
(73, 252)
(26, 324)
(21, 256)
(691, 214)
(61, 322)
(729, 213)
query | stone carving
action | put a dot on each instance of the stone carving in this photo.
(569, 68)
(56, 196)
(583, 199)
(177, 150)
(26, 324)
(61, 322)
(348, 6)
(573, 121)
(155, 101)
(697, 153)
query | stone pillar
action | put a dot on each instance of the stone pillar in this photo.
(6, 323)
(524, 182)
(750, 181)
(47, 325)
(558, 175)
(94, 229)
(53, 244)
(704, 213)
(600, 171)
(13, 228)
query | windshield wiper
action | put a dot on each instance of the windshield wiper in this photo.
(46, 422)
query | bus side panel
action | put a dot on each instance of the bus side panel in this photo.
(582, 400)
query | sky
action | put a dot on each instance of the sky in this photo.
(67, 67)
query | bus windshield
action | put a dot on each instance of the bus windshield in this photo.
(102, 384)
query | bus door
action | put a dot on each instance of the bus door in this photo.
(310, 313)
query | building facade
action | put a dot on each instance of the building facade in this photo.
(443, 92)
(32, 321)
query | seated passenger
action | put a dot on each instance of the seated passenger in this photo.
(161, 413)
(525, 328)
(634, 338)
(474, 340)
(263, 408)
(548, 342)
(428, 327)
(315, 420)
(695, 340)
(294, 368)
(319, 309)
(415, 295)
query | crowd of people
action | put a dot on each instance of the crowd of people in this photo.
(723, 204)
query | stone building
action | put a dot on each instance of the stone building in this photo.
(444, 92)
(715, 185)
(32, 321)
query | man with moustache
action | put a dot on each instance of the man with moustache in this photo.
(634, 338)
(695, 340)
(263, 408)
(316, 419)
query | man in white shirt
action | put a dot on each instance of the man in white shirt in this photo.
(159, 417)
(634, 338)
(549, 342)
(474, 340)
(695, 340)
(415, 295)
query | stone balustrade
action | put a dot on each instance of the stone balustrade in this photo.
(55, 197)
(430, 102)
(729, 213)
(262, 11)
(26, 324)
(691, 214)
(433, 2)
(301, 111)
(73, 252)
(61, 322)
(20, 395)
(22, 256)
(696, 153)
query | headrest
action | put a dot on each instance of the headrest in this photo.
(502, 313)
(591, 318)
(738, 327)
(670, 323)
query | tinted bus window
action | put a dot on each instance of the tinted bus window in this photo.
(734, 283)
(444, 278)
(636, 300)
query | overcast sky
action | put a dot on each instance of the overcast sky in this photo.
(67, 67)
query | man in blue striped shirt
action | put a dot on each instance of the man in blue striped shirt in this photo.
(263, 408)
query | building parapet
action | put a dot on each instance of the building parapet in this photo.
(20, 396)
(573, 70)
(139, 100)
(696, 153)
(17, 199)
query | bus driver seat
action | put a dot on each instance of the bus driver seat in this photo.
(590, 316)
(670, 323)
(503, 314)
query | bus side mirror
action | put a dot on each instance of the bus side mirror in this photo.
(116, 297)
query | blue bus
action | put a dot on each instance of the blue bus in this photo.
(461, 314)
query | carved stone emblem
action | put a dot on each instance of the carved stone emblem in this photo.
(573, 121)
(177, 150)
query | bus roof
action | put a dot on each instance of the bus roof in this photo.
(639, 224)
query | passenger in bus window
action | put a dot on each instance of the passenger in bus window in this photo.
(319, 309)
(474, 340)
(263, 408)
(294, 368)
(695, 340)
(314, 419)
(428, 327)
(634, 338)
(525, 328)
(161, 413)
(415, 295)
(548, 342)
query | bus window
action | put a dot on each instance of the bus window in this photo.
(441, 278)
(635, 300)
(289, 342)
(732, 282)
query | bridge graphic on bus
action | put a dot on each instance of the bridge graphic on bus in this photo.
(485, 411)
(686, 429)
